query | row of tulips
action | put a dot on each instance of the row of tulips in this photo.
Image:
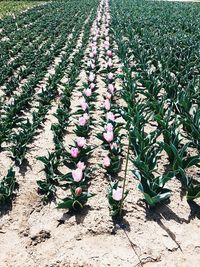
(159, 87)
(111, 136)
(78, 154)
(59, 156)
(21, 77)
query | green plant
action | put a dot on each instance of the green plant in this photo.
(115, 197)
(153, 187)
(193, 190)
(48, 186)
(7, 186)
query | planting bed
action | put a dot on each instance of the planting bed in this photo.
(100, 135)
(13, 7)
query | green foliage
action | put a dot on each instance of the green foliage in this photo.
(193, 190)
(7, 186)
(191, 124)
(47, 186)
(159, 54)
(153, 187)
(75, 202)
(16, 6)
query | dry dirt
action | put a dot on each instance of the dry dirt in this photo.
(36, 235)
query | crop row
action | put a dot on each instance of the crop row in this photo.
(11, 112)
(75, 156)
(18, 131)
(159, 52)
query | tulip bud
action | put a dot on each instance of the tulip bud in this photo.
(110, 76)
(82, 121)
(74, 152)
(108, 96)
(88, 92)
(86, 116)
(111, 88)
(81, 141)
(92, 86)
(91, 77)
(78, 191)
(107, 104)
(110, 116)
(91, 55)
(77, 175)
(106, 161)
(117, 194)
(108, 136)
(109, 53)
(109, 127)
(81, 165)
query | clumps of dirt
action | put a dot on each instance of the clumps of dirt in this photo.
(25, 232)
(40, 237)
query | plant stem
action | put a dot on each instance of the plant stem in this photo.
(125, 175)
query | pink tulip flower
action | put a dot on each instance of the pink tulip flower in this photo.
(110, 116)
(106, 162)
(86, 116)
(106, 32)
(117, 194)
(94, 50)
(106, 43)
(83, 103)
(107, 104)
(108, 136)
(108, 96)
(74, 152)
(109, 53)
(91, 55)
(109, 63)
(111, 88)
(87, 92)
(109, 127)
(82, 121)
(80, 165)
(94, 38)
(110, 76)
(81, 141)
(91, 77)
(92, 86)
(77, 175)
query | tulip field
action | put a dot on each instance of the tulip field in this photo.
(100, 134)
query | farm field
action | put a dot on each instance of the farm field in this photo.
(14, 7)
(100, 134)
